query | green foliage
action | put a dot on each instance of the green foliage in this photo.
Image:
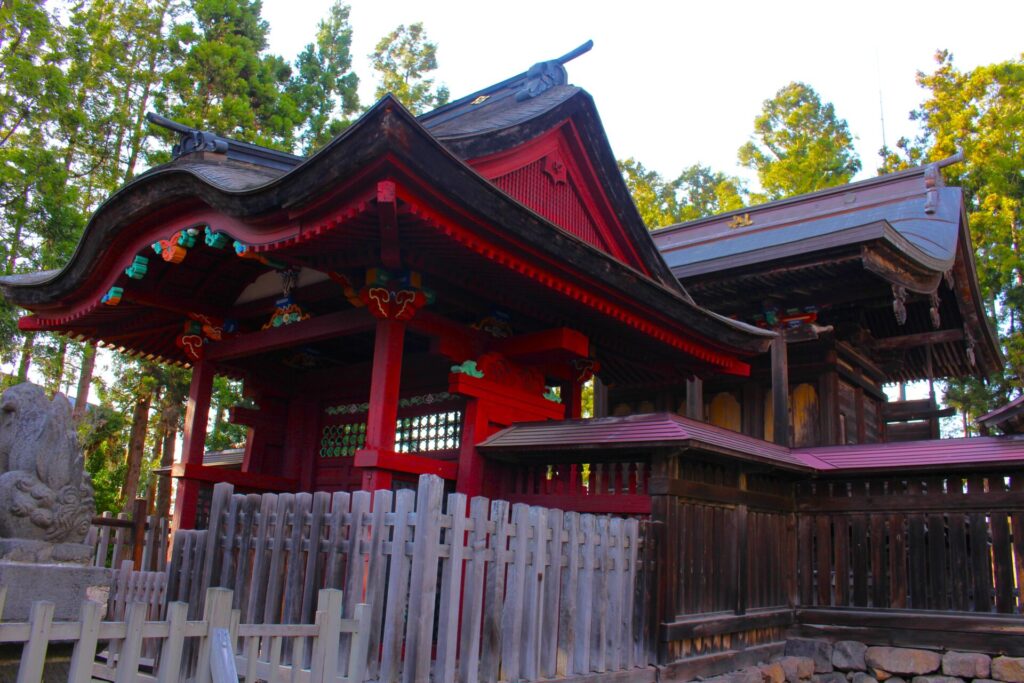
(799, 145)
(697, 192)
(222, 434)
(402, 59)
(223, 81)
(981, 113)
(324, 86)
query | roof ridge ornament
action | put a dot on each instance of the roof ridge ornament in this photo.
(192, 139)
(543, 76)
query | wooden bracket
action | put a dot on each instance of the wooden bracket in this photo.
(387, 212)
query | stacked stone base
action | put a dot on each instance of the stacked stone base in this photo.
(849, 661)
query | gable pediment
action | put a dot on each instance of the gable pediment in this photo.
(552, 175)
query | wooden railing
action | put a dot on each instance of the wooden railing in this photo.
(601, 487)
(142, 538)
(922, 542)
(201, 650)
(478, 589)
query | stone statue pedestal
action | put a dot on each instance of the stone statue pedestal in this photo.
(65, 585)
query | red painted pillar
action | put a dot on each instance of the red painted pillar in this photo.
(471, 465)
(384, 386)
(196, 416)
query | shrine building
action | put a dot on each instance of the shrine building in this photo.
(430, 294)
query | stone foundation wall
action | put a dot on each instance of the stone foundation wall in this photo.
(849, 661)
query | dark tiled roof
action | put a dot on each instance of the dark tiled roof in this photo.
(937, 453)
(1009, 417)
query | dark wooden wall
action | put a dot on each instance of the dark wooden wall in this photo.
(919, 559)
(726, 549)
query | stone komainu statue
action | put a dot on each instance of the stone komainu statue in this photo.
(45, 493)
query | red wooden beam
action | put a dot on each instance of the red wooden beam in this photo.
(540, 345)
(384, 385)
(340, 324)
(408, 463)
(252, 480)
(387, 211)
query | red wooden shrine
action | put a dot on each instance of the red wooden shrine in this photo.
(396, 302)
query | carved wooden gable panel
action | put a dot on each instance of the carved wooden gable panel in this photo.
(547, 187)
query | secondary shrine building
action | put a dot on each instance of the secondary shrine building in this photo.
(430, 294)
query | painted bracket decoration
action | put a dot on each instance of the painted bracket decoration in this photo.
(199, 330)
(552, 396)
(174, 249)
(137, 270)
(467, 368)
(217, 240)
(286, 313)
(391, 296)
(113, 296)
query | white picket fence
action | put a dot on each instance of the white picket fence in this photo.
(201, 651)
(472, 591)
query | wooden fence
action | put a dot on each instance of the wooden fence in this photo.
(923, 542)
(746, 558)
(199, 650)
(479, 590)
(117, 538)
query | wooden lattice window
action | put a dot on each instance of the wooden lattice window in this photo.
(431, 432)
(342, 440)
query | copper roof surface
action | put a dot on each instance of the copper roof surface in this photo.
(667, 430)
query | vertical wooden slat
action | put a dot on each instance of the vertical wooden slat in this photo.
(1002, 561)
(512, 610)
(805, 552)
(451, 584)
(216, 614)
(398, 582)
(33, 653)
(329, 604)
(232, 521)
(879, 576)
(241, 584)
(358, 648)
(599, 643)
(823, 534)
(959, 562)
(472, 595)
(276, 568)
(340, 502)
(354, 550)
(567, 606)
(311, 572)
(897, 561)
(376, 580)
(552, 594)
(534, 592)
(171, 652)
(937, 570)
(293, 586)
(222, 495)
(981, 568)
(917, 578)
(494, 592)
(631, 624)
(585, 596)
(423, 585)
(257, 584)
(131, 649)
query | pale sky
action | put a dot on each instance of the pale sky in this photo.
(678, 82)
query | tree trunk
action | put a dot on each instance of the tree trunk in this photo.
(136, 448)
(57, 377)
(84, 381)
(169, 429)
(26, 357)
